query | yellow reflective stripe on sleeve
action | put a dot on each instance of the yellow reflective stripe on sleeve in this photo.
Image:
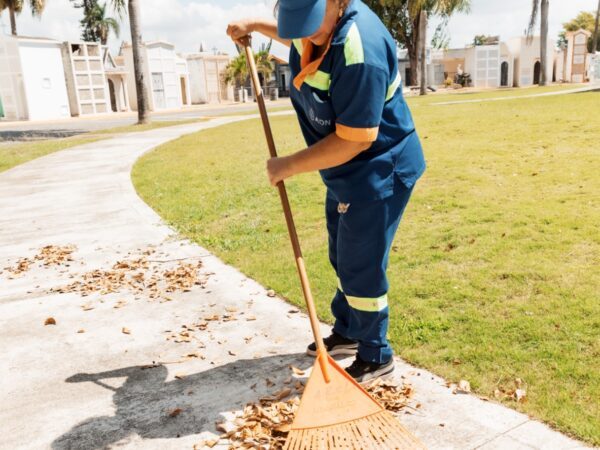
(393, 87)
(298, 45)
(319, 80)
(367, 304)
(353, 48)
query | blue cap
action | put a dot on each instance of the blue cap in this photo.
(299, 18)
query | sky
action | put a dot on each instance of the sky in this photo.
(187, 23)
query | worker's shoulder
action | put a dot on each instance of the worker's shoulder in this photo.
(364, 39)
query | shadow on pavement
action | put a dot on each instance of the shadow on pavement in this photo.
(30, 135)
(145, 399)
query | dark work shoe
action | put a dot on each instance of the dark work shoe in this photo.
(335, 345)
(364, 372)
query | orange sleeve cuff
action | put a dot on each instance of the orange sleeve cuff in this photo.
(356, 134)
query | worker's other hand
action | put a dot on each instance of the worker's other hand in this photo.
(240, 28)
(278, 169)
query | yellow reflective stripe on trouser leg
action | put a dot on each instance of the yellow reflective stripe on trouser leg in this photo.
(368, 304)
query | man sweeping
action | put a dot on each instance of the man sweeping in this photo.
(346, 91)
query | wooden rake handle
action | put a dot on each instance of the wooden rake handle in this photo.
(310, 304)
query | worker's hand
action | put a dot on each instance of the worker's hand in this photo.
(240, 28)
(278, 169)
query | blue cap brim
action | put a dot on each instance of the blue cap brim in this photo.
(301, 22)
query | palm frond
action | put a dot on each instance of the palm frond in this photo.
(535, 5)
(15, 5)
(119, 7)
(37, 7)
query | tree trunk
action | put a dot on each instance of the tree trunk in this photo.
(413, 58)
(413, 52)
(544, 42)
(595, 37)
(423, 51)
(139, 63)
(13, 21)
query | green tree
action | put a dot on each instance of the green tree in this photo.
(441, 39)
(482, 39)
(584, 20)
(95, 25)
(264, 66)
(404, 20)
(543, 7)
(16, 7)
(236, 71)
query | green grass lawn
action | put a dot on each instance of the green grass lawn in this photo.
(495, 272)
(16, 153)
(486, 94)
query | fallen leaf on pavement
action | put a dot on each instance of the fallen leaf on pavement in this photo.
(210, 443)
(175, 412)
(297, 371)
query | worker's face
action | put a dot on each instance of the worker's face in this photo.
(321, 36)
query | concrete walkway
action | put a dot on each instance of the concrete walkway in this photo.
(81, 384)
(590, 88)
(46, 129)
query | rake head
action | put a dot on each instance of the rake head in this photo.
(340, 414)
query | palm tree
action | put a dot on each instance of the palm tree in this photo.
(236, 71)
(96, 26)
(263, 62)
(16, 6)
(543, 6)
(403, 19)
(139, 61)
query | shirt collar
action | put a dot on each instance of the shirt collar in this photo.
(341, 29)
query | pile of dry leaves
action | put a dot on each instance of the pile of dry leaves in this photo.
(137, 275)
(50, 255)
(265, 425)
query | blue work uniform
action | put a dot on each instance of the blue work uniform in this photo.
(354, 90)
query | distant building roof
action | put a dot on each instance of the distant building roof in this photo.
(37, 39)
(206, 55)
(146, 44)
(280, 52)
(278, 59)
